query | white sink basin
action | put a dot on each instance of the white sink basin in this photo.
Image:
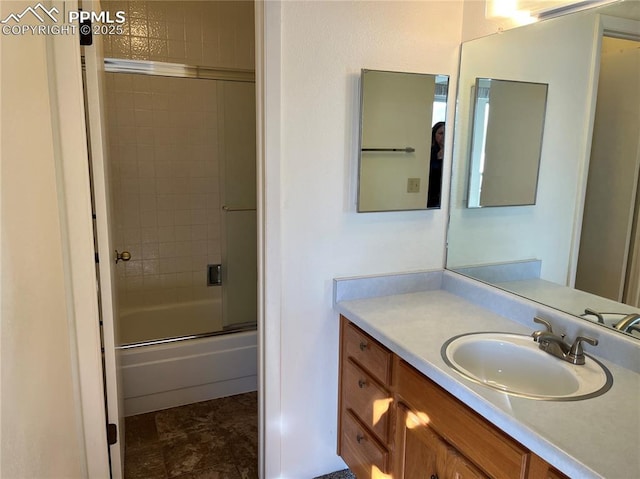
(513, 363)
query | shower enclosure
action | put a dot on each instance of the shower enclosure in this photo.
(183, 182)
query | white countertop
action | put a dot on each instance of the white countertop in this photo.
(592, 438)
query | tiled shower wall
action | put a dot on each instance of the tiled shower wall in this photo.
(163, 144)
(210, 33)
(165, 186)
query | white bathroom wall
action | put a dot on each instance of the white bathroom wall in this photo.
(41, 420)
(476, 24)
(323, 47)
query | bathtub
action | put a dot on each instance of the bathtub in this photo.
(160, 376)
(169, 320)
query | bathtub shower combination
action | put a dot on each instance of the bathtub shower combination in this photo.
(182, 179)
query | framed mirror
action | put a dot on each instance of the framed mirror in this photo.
(506, 141)
(576, 249)
(401, 140)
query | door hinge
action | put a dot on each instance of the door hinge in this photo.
(112, 434)
(97, 258)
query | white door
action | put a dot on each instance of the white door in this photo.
(613, 173)
(94, 62)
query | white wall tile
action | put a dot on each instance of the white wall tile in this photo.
(164, 132)
(211, 33)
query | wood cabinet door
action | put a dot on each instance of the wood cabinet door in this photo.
(458, 467)
(421, 454)
(555, 474)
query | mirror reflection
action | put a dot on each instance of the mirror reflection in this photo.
(508, 121)
(401, 136)
(578, 248)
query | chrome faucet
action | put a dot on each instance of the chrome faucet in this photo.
(628, 323)
(593, 312)
(556, 346)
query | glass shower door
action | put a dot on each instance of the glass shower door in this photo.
(237, 147)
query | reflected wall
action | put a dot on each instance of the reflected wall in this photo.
(560, 55)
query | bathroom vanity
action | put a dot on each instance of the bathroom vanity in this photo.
(395, 420)
(404, 413)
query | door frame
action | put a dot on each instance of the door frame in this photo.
(93, 88)
(67, 88)
(268, 39)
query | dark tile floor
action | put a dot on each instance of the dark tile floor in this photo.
(215, 439)
(344, 474)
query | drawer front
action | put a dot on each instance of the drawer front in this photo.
(497, 454)
(360, 450)
(367, 399)
(371, 355)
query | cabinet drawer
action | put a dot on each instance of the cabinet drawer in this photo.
(367, 399)
(497, 454)
(361, 451)
(370, 354)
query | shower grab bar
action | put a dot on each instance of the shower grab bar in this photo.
(407, 149)
(232, 208)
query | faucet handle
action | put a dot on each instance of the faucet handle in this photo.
(547, 325)
(544, 322)
(576, 354)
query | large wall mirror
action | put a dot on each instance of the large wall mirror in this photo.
(577, 248)
(401, 140)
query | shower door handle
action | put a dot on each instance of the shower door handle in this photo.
(124, 256)
(236, 208)
(214, 275)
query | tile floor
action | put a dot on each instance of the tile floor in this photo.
(215, 439)
(344, 474)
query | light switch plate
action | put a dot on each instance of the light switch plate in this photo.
(413, 185)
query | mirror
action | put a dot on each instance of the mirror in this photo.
(506, 140)
(577, 249)
(401, 140)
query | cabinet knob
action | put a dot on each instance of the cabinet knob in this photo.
(363, 345)
(434, 476)
(359, 438)
(362, 383)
